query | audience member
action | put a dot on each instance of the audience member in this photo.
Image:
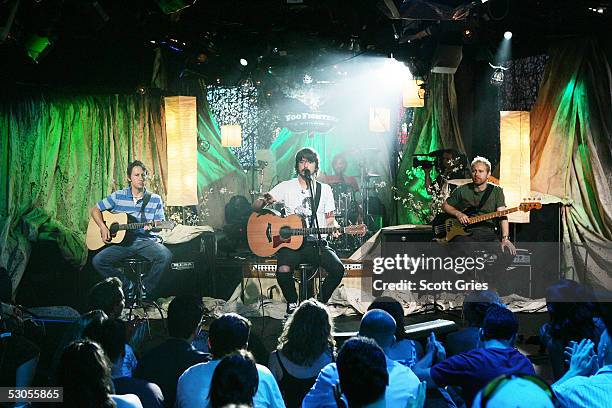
(306, 345)
(404, 350)
(234, 381)
(403, 384)
(84, 374)
(475, 306)
(75, 332)
(112, 337)
(516, 391)
(108, 296)
(227, 334)
(362, 372)
(164, 364)
(473, 369)
(588, 381)
(572, 318)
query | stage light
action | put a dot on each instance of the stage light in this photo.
(508, 35)
(244, 62)
(182, 147)
(231, 136)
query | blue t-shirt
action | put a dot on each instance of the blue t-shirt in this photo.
(476, 368)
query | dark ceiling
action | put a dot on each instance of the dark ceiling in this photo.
(108, 44)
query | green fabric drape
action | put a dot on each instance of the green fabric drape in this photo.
(60, 155)
(435, 126)
(571, 134)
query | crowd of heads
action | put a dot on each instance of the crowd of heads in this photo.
(93, 351)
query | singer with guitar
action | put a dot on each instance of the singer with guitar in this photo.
(143, 207)
(481, 197)
(296, 197)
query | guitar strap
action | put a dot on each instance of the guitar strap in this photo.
(485, 196)
(316, 204)
(145, 201)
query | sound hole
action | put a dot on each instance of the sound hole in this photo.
(114, 227)
(285, 232)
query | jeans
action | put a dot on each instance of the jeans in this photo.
(309, 253)
(105, 261)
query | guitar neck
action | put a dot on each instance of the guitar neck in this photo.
(135, 225)
(313, 231)
(488, 216)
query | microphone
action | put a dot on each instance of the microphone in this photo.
(306, 174)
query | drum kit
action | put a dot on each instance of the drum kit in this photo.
(354, 206)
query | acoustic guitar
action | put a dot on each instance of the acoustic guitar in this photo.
(446, 227)
(118, 225)
(267, 233)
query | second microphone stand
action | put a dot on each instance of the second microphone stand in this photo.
(314, 222)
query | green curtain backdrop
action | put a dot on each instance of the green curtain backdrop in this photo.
(571, 140)
(60, 154)
(435, 126)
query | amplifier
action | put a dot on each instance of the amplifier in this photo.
(191, 267)
(267, 269)
(181, 266)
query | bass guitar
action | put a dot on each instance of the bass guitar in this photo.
(118, 225)
(446, 227)
(267, 233)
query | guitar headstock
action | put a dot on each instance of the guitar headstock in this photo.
(357, 229)
(530, 204)
(166, 224)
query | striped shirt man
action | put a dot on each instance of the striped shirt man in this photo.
(123, 201)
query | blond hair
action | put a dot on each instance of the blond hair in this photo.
(480, 159)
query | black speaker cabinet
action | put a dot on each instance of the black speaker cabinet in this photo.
(191, 270)
(542, 237)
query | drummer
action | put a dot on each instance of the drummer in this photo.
(339, 165)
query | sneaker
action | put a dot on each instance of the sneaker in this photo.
(291, 308)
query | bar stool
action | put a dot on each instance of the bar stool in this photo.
(307, 273)
(135, 268)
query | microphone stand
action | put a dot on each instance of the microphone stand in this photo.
(316, 226)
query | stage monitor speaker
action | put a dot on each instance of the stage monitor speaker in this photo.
(446, 59)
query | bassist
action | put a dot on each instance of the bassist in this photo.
(295, 196)
(482, 197)
(143, 206)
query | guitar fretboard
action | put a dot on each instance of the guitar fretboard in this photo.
(484, 217)
(312, 231)
(135, 225)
